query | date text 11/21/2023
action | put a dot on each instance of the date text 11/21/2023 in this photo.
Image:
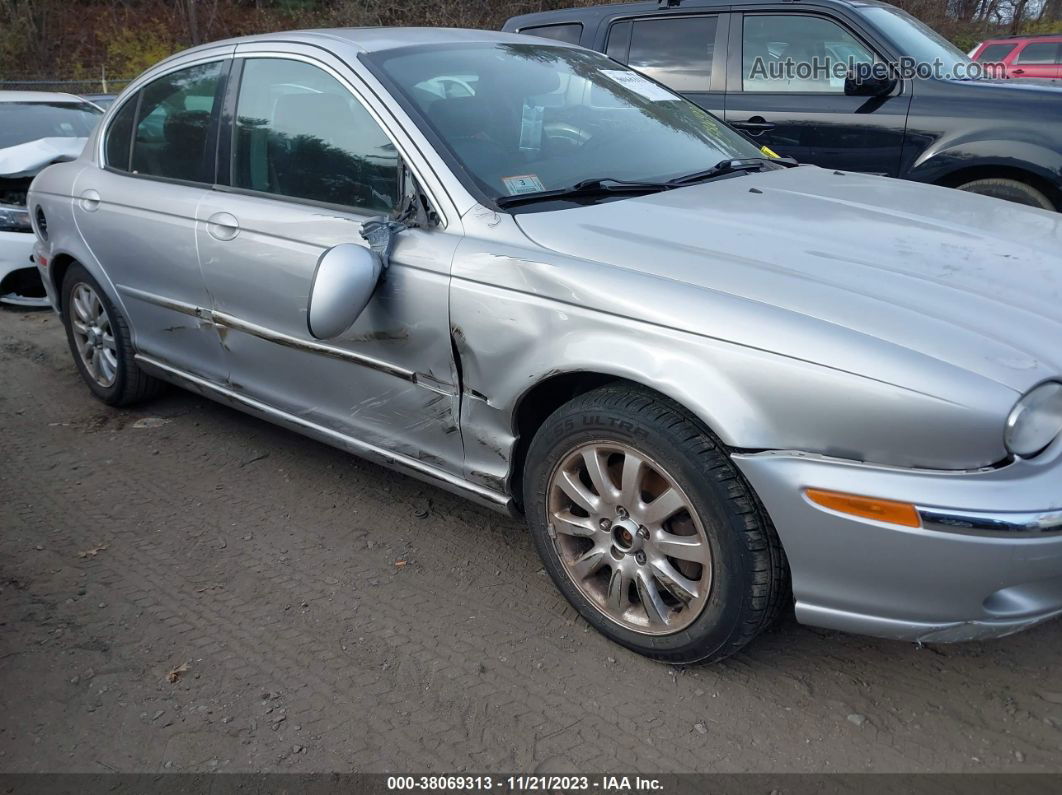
(525, 783)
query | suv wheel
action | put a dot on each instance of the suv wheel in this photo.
(1010, 190)
(648, 529)
(100, 342)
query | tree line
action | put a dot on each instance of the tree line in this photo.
(101, 40)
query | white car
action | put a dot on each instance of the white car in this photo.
(37, 129)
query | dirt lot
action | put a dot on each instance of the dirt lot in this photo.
(334, 616)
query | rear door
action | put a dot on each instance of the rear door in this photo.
(687, 53)
(785, 90)
(1039, 59)
(137, 213)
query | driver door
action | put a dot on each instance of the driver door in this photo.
(310, 164)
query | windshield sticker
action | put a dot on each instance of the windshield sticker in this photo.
(639, 85)
(531, 128)
(524, 183)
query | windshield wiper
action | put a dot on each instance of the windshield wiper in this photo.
(732, 166)
(587, 188)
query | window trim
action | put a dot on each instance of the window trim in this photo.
(227, 142)
(737, 85)
(717, 74)
(213, 129)
(576, 22)
(1025, 47)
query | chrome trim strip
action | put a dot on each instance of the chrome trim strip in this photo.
(1010, 524)
(388, 458)
(228, 321)
(167, 303)
(223, 320)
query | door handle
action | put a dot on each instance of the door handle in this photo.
(89, 200)
(1018, 72)
(757, 124)
(223, 226)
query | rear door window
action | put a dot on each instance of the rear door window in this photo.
(676, 51)
(172, 136)
(569, 33)
(994, 53)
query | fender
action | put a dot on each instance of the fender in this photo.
(1015, 149)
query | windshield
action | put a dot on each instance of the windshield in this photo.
(21, 122)
(914, 39)
(528, 118)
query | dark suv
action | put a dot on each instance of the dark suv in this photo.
(835, 83)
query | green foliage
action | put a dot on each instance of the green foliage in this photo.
(1044, 26)
(129, 52)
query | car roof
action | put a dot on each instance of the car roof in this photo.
(599, 12)
(41, 96)
(1020, 39)
(373, 39)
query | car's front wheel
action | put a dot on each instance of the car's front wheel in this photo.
(648, 529)
(100, 342)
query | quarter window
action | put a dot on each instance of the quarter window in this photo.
(1040, 52)
(300, 133)
(119, 134)
(172, 137)
(569, 33)
(798, 54)
(677, 52)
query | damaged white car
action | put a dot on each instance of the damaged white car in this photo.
(36, 129)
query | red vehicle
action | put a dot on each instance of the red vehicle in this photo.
(1024, 56)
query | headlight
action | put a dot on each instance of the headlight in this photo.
(1035, 421)
(14, 219)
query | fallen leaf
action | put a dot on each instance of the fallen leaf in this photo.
(399, 564)
(150, 422)
(175, 674)
(91, 553)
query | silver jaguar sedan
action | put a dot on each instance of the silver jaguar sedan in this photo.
(712, 381)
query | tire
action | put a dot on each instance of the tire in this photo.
(1010, 190)
(115, 377)
(738, 592)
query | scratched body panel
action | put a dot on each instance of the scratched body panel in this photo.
(409, 402)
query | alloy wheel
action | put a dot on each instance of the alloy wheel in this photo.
(629, 538)
(94, 335)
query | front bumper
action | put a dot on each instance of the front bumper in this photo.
(20, 283)
(986, 562)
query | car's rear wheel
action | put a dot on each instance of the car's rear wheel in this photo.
(100, 342)
(649, 530)
(1010, 190)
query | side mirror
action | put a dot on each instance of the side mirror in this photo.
(343, 283)
(869, 80)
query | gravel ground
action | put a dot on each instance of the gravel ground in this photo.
(187, 588)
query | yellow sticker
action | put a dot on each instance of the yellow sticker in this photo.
(770, 152)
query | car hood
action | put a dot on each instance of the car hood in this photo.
(30, 158)
(812, 257)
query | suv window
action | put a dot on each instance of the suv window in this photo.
(1040, 52)
(994, 53)
(569, 33)
(172, 134)
(300, 133)
(677, 52)
(797, 54)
